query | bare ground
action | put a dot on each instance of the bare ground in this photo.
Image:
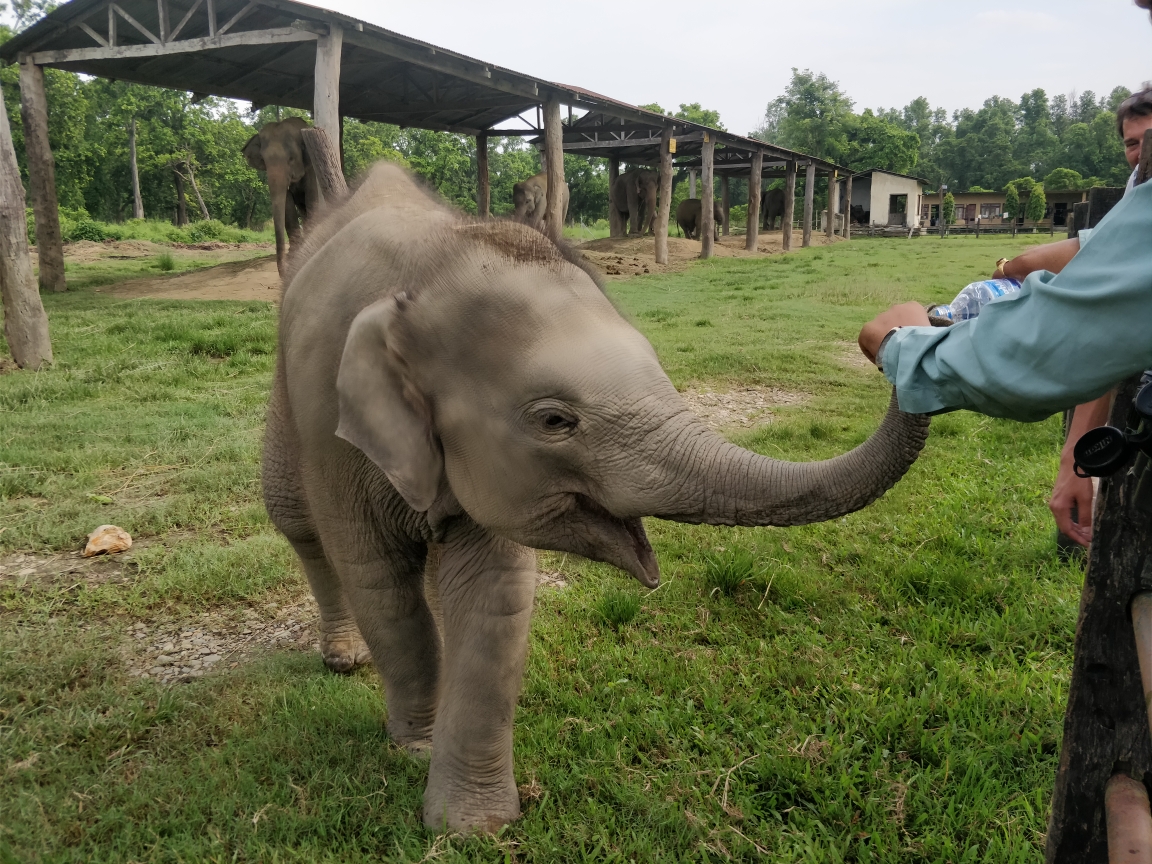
(250, 279)
(741, 408)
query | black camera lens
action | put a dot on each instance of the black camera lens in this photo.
(1100, 452)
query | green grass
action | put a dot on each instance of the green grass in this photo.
(885, 687)
(77, 225)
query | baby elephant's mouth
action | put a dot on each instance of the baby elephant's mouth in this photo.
(617, 541)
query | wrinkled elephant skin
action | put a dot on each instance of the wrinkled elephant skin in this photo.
(530, 200)
(634, 196)
(772, 208)
(451, 395)
(688, 214)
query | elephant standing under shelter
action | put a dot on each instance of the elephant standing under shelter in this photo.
(530, 200)
(634, 197)
(688, 214)
(772, 208)
(278, 149)
(451, 394)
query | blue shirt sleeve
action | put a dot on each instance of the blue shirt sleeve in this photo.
(1060, 341)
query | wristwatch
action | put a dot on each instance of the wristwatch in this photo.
(880, 348)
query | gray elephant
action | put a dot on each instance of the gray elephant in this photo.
(450, 395)
(530, 199)
(688, 214)
(771, 208)
(278, 149)
(634, 197)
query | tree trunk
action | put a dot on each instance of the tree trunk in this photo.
(554, 148)
(809, 193)
(755, 178)
(181, 200)
(137, 203)
(483, 187)
(25, 324)
(665, 203)
(847, 208)
(615, 228)
(789, 205)
(707, 198)
(199, 198)
(725, 205)
(42, 177)
(833, 195)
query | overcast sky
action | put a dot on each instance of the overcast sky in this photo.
(883, 52)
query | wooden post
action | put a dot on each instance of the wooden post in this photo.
(326, 165)
(554, 148)
(326, 86)
(665, 203)
(707, 200)
(755, 178)
(41, 177)
(833, 201)
(137, 203)
(181, 200)
(691, 182)
(789, 205)
(25, 324)
(615, 227)
(944, 222)
(725, 204)
(483, 187)
(809, 192)
(847, 208)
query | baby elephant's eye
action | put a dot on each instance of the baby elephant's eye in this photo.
(555, 420)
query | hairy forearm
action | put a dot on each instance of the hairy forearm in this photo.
(1052, 257)
(1086, 416)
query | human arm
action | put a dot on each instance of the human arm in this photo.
(1052, 257)
(1071, 490)
(1061, 340)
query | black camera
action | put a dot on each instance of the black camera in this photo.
(1103, 451)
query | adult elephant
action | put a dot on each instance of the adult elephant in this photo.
(278, 149)
(688, 214)
(634, 197)
(530, 200)
(450, 395)
(771, 208)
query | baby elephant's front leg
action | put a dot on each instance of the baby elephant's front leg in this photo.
(486, 590)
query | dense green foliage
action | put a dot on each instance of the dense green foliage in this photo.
(985, 147)
(887, 687)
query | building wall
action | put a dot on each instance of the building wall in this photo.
(885, 185)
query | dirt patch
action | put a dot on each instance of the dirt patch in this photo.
(22, 568)
(850, 354)
(250, 279)
(620, 258)
(742, 408)
(89, 252)
(7, 365)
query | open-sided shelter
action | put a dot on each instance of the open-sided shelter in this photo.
(280, 52)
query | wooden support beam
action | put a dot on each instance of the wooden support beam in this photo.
(276, 36)
(554, 152)
(187, 17)
(162, 19)
(725, 205)
(707, 199)
(25, 324)
(615, 226)
(148, 34)
(664, 204)
(483, 187)
(326, 89)
(752, 232)
(692, 183)
(235, 19)
(833, 201)
(96, 37)
(789, 206)
(809, 191)
(111, 26)
(847, 208)
(134, 172)
(324, 155)
(212, 29)
(42, 177)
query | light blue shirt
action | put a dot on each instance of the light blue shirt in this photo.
(1060, 341)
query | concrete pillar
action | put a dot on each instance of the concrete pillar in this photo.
(707, 199)
(554, 148)
(664, 204)
(725, 205)
(789, 205)
(326, 88)
(809, 191)
(615, 226)
(755, 179)
(42, 177)
(847, 208)
(483, 187)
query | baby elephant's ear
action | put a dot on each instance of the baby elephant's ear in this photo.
(380, 416)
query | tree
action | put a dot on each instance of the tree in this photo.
(1063, 180)
(1011, 201)
(872, 142)
(653, 106)
(694, 113)
(1037, 204)
(949, 209)
(809, 117)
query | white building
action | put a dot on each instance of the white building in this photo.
(884, 198)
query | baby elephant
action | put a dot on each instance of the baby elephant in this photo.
(688, 217)
(449, 396)
(530, 198)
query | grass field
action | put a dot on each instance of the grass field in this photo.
(886, 687)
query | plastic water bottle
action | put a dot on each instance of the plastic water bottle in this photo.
(971, 300)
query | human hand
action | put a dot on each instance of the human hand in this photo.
(903, 315)
(1070, 492)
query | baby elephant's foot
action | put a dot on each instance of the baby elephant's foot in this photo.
(343, 649)
(471, 809)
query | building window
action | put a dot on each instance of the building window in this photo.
(989, 211)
